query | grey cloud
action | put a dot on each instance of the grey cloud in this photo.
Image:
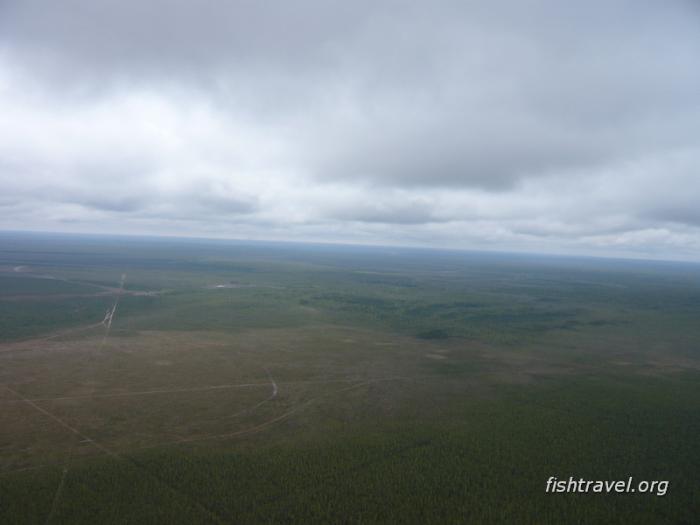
(452, 94)
(682, 209)
(9, 202)
(172, 37)
(400, 211)
(185, 203)
(524, 116)
(216, 204)
(489, 153)
(688, 216)
(118, 204)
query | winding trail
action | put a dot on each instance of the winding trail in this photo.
(253, 408)
(250, 430)
(272, 383)
(261, 426)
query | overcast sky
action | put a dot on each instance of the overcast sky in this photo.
(545, 126)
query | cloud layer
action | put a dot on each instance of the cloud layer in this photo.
(510, 125)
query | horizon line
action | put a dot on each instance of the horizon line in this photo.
(349, 244)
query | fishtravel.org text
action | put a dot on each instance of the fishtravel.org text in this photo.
(583, 486)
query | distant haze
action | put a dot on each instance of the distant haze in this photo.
(520, 125)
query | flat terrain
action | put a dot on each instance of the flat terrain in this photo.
(182, 381)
